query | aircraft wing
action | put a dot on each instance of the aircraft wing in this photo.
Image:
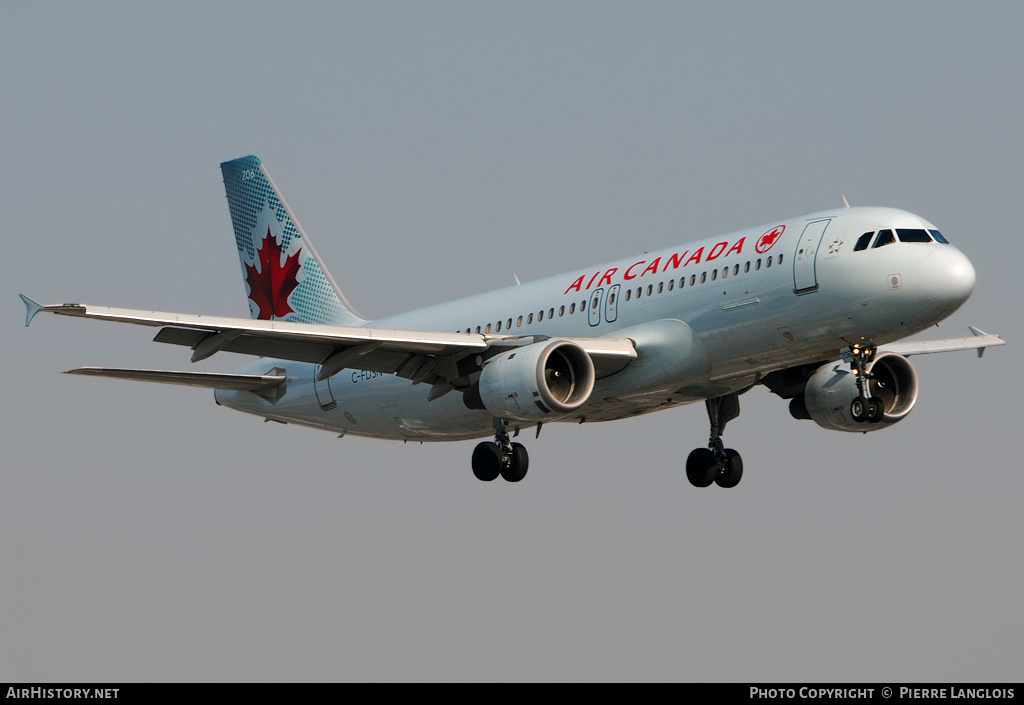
(422, 356)
(979, 341)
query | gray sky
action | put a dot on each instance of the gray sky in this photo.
(431, 150)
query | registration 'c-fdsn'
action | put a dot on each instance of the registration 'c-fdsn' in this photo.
(812, 308)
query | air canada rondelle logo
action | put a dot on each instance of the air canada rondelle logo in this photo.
(765, 242)
(270, 287)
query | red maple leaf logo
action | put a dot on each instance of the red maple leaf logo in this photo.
(270, 287)
(765, 242)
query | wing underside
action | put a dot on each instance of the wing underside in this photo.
(979, 341)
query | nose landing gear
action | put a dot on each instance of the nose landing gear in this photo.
(716, 463)
(500, 457)
(864, 408)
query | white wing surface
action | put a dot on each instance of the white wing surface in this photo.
(422, 356)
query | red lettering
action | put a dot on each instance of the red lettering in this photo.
(653, 267)
(592, 280)
(607, 278)
(696, 257)
(675, 260)
(627, 274)
(575, 285)
(737, 248)
(716, 251)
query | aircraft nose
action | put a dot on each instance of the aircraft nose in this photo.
(947, 277)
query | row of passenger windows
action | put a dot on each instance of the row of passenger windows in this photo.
(660, 287)
(887, 237)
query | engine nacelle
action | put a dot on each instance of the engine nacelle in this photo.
(537, 382)
(833, 386)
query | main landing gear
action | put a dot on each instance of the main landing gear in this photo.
(716, 463)
(864, 408)
(500, 457)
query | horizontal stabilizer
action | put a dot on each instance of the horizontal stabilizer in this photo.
(264, 385)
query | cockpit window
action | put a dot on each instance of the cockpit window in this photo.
(913, 235)
(863, 241)
(885, 237)
(938, 237)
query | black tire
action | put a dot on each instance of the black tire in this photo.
(733, 471)
(701, 468)
(486, 461)
(876, 409)
(859, 409)
(516, 471)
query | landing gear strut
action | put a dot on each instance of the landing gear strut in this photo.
(716, 463)
(864, 407)
(500, 457)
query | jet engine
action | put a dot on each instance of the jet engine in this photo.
(833, 386)
(536, 382)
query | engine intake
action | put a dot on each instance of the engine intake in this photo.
(536, 382)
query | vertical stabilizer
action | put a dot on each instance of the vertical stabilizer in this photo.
(284, 277)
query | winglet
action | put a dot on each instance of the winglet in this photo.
(31, 309)
(978, 331)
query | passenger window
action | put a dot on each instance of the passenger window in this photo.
(551, 313)
(661, 287)
(671, 284)
(488, 328)
(938, 237)
(540, 316)
(561, 311)
(519, 322)
(497, 328)
(780, 259)
(725, 272)
(650, 289)
(478, 329)
(639, 291)
(682, 281)
(736, 270)
(757, 265)
(863, 241)
(703, 277)
(529, 319)
(768, 263)
(693, 279)
(508, 324)
(629, 292)
(572, 309)
(714, 274)
(746, 267)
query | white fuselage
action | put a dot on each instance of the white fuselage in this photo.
(758, 300)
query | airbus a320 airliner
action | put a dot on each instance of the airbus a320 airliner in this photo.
(811, 307)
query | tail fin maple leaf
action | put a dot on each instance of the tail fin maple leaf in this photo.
(273, 283)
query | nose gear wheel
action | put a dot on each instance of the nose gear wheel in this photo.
(864, 408)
